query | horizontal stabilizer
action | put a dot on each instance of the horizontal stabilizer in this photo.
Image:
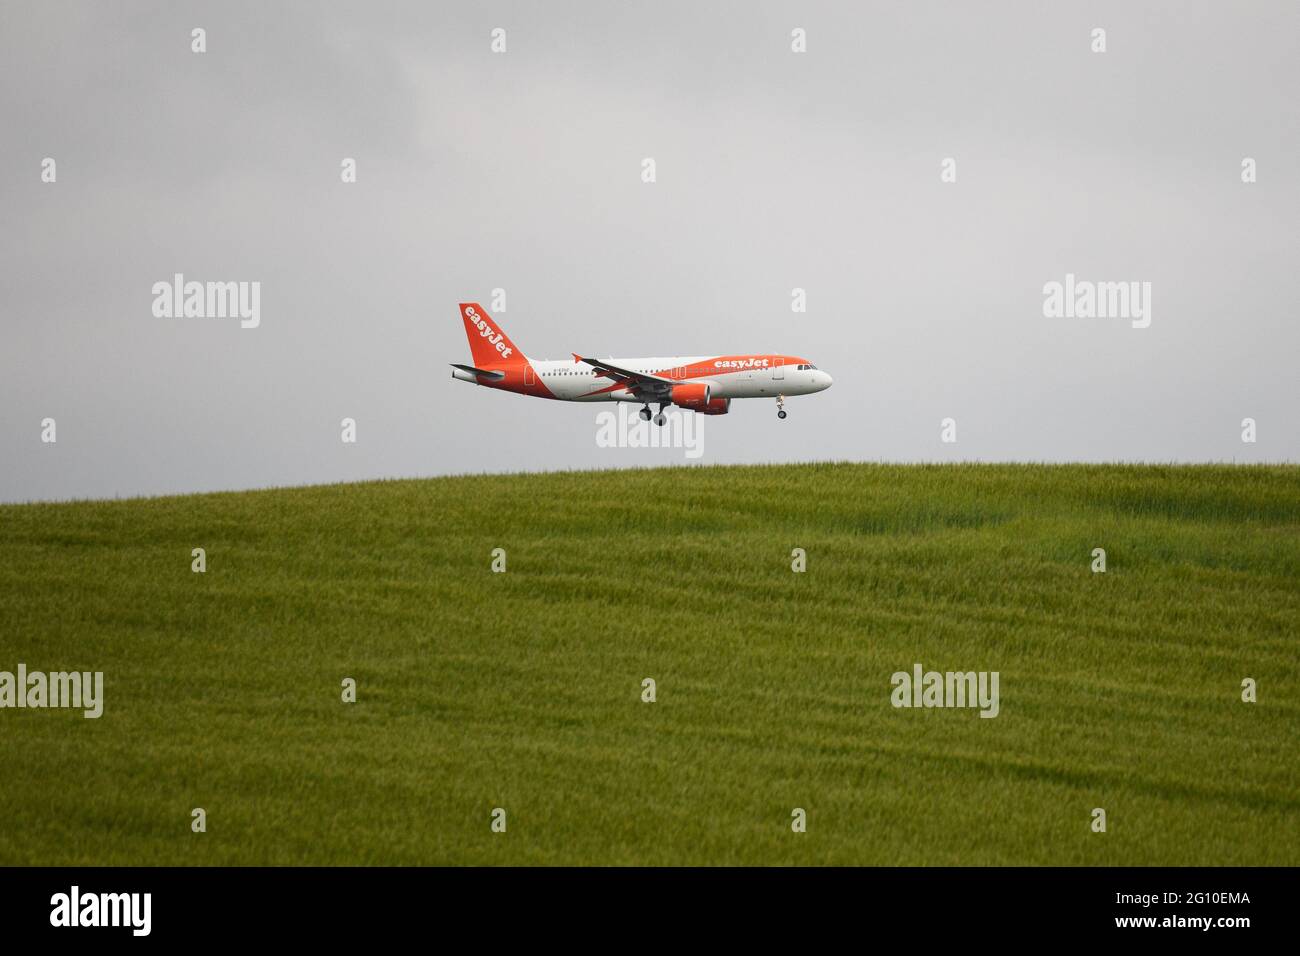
(482, 373)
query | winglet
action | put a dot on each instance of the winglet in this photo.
(576, 358)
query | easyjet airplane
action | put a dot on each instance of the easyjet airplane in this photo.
(702, 383)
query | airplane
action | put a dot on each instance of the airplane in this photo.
(705, 384)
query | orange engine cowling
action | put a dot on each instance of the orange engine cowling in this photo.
(694, 395)
(717, 406)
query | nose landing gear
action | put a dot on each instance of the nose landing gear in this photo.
(780, 406)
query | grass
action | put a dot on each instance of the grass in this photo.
(522, 690)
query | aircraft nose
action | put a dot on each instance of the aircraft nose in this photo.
(827, 381)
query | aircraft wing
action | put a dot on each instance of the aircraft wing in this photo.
(640, 383)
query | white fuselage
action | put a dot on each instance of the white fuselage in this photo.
(578, 382)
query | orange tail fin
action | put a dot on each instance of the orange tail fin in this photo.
(488, 344)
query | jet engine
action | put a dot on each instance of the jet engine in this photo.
(694, 395)
(716, 406)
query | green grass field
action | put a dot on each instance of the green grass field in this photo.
(522, 690)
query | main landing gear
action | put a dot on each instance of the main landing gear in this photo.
(780, 406)
(661, 419)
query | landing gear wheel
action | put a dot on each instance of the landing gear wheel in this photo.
(645, 414)
(661, 419)
(780, 406)
(781, 413)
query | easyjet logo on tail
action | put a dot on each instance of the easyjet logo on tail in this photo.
(493, 337)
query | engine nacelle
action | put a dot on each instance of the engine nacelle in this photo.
(717, 406)
(694, 395)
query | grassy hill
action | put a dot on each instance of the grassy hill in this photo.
(522, 690)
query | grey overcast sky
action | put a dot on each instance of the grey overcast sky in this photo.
(522, 170)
